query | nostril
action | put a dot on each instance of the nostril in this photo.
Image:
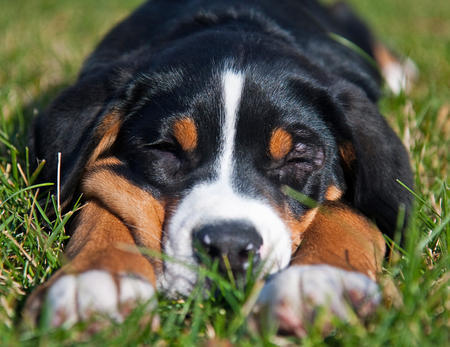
(243, 256)
(214, 252)
(250, 247)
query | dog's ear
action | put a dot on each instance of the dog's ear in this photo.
(373, 158)
(80, 124)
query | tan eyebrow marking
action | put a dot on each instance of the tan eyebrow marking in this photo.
(185, 133)
(280, 143)
(333, 193)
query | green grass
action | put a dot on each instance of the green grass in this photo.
(43, 44)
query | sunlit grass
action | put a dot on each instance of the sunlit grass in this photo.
(43, 45)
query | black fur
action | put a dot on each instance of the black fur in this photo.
(165, 61)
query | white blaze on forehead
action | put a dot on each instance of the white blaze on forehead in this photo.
(216, 201)
(232, 84)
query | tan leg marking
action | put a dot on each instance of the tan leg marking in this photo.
(185, 133)
(117, 218)
(139, 210)
(107, 131)
(102, 241)
(340, 237)
(280, 144)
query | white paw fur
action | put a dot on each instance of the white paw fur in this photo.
(400, 76)
(291, 298)
(74, 298)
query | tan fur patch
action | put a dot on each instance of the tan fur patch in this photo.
(185, 133)
(299, 226)
(102, 241)
(333, 193)
(383, 56)
(108, 131)
(139, 210)
(347, 152)
(280, 144)
(341, 237)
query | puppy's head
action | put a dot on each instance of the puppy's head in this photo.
(218, 151)
(198, 151)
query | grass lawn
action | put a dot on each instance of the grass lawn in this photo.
(43, 43)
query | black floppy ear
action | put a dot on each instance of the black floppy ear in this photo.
(373, 159)
(82, 119)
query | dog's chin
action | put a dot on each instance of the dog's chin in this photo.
(178, 278)
(181, 273)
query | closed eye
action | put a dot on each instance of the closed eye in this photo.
(306, 153)
(162, 145)
(298, 164)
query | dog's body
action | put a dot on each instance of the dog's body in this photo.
(184, 129)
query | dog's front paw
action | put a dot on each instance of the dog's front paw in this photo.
(74, 298)
(292, 298)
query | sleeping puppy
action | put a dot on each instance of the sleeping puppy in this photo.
(196, 125)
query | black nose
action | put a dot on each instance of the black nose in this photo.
(235, 242)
